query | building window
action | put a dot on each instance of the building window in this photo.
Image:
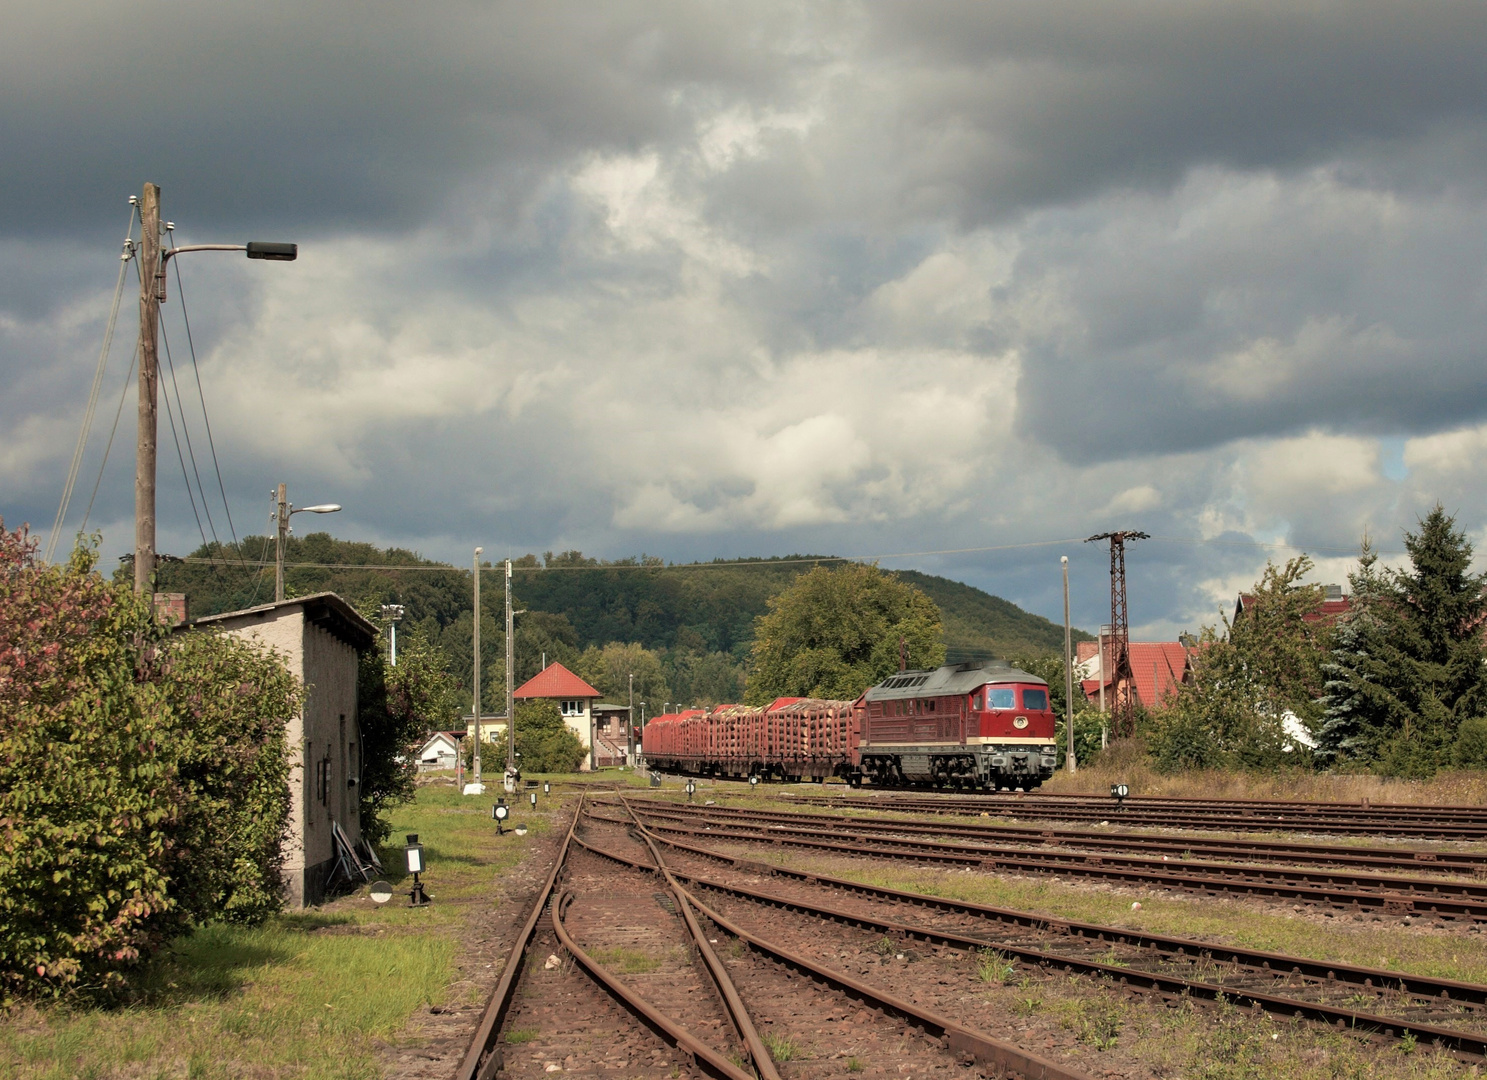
(573, 708)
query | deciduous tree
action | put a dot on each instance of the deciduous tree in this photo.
(837, 631)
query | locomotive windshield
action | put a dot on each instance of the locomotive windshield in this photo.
(999, 697)
(1034, 699)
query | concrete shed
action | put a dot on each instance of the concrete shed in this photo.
(320, 638)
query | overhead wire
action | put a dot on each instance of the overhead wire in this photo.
(170, 414)
(123, 394)
(87, 426)
(186, 430)
(201, 395)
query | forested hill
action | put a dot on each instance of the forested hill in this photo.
(978, 624)
(577, 602)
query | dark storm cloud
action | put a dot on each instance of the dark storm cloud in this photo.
(1056, 100)
(696, 279)
(333, 115)
(1243, 307)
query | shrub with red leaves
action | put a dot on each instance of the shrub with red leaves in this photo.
(129, 763)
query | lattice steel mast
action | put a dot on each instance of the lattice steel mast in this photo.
(1123, 710)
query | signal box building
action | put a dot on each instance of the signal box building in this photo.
(575, 700)
(320, 638)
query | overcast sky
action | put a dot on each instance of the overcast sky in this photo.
(750, 279)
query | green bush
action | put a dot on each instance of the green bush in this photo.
(142, 776)
(545, 742)
(229, 701)
(1471, 743)
(398, 708)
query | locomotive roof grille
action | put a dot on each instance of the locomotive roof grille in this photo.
(950, 679)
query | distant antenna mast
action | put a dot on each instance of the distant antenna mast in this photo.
(1123, 712)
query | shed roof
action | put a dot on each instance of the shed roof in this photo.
(555, 681)
(326, 610)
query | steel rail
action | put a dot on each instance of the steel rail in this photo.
(481, 1062)
(1275, 850)
(1393, 895)
(732, 1001)
(1234, 880)
(998, 1057)
(1357, 824)
(707, 1059)
(1270, 964)
(1184, 802)
(1425, 990)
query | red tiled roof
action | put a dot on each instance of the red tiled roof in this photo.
(555, 681)
(1329, 612)
(1157, 667)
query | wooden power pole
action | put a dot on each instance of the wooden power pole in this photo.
(151, 288)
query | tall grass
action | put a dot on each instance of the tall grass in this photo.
(1128, 764)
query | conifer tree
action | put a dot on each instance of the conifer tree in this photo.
(1407, 667)
(1362, 710)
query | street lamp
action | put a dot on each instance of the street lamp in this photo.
(283, 511)
(393, 613)
(153, 260)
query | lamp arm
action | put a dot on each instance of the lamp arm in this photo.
(166, 256)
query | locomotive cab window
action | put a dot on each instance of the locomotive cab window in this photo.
(976, 702)
(1035, 700)
(999, 697)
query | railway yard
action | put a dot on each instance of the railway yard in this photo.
(781, 933)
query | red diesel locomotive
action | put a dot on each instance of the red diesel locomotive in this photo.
(978, 725)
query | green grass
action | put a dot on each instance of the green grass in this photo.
(306, 995)
(518, 1036)
(855, 1064)
(992, 966)
(781, 1047)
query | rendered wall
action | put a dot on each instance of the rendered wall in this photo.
(327, 667)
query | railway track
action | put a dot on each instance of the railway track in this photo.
(1339, 888)
(579, 902)
(1342, 819)
(1390, 1005)
(1405, 860)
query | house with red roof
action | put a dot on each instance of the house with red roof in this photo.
(575, 700)
(1158, 667)
(1333, 607)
